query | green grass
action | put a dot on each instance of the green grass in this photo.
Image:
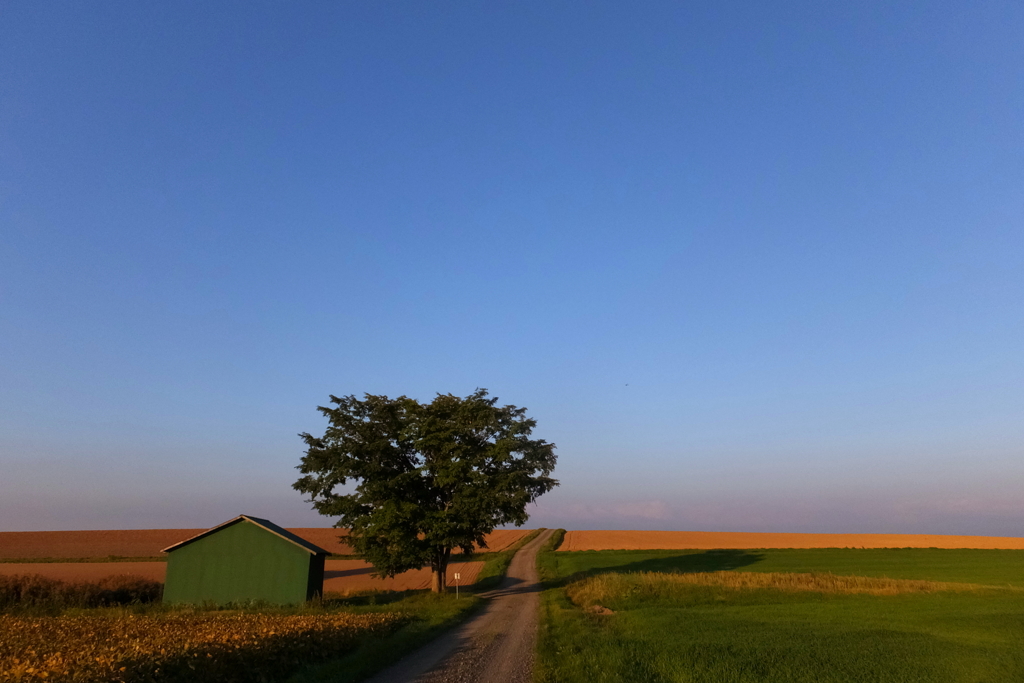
(724, 635)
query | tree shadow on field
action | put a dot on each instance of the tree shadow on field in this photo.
(687, 563)
(695, 563)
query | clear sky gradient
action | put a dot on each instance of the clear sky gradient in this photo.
(751, 266)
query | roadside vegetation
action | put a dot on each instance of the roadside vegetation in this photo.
(555, 542)
(496, 563)
(794, 616)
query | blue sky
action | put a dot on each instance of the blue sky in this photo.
(751, 266)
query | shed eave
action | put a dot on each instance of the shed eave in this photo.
(261, 523)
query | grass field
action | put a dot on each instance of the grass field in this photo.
(745, 616)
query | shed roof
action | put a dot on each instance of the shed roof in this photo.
(263, 524)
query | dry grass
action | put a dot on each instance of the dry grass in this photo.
(604, 588)
(238, 647)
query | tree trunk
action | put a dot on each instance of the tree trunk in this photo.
(439, 571)
(438, 584)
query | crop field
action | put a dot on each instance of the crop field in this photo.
(774, 616)
(706, 540)
(237, 647)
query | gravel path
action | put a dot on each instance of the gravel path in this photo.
(496, 646)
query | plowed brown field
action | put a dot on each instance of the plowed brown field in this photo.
(708, 540)
(341, 576)
(128, 542)
(76, 544)
(149, 542)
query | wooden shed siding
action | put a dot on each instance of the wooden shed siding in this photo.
(240, 562)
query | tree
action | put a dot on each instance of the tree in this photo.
(425, 478)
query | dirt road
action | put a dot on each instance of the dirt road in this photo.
(495, 646)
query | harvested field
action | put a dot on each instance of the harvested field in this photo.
(96, 544)
(708, 540)
(340, 576)
(127, 542)
(20, 545)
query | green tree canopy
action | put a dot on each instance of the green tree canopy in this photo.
(413, 481)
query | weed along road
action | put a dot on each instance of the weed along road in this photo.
(496, 646)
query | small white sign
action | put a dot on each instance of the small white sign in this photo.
(457, 576)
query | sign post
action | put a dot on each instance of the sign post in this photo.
(457, 577)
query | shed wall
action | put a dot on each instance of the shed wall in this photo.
(238, 563)
(315, 585)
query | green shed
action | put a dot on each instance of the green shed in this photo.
(246, 558)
